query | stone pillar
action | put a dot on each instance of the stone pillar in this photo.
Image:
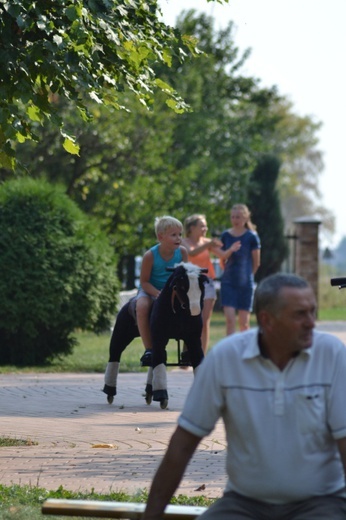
(306, 251)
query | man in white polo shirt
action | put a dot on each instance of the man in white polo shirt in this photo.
(281, 392)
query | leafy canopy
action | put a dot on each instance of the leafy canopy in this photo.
(136, 165)
(80, 50)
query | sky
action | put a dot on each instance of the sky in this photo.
(300, 46)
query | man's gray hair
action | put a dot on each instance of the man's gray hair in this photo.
(267, 294)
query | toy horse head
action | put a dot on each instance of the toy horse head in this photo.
(187, 284)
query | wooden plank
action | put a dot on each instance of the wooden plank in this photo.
(125, 510)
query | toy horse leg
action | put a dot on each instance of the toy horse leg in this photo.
(160, 385)
(124, 332)
(149, 386)
(195, 351)
(192, 339)
(159, 368)
(111, 376)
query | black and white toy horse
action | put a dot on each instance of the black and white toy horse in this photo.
(175, 314)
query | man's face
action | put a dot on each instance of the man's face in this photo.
(293, 324)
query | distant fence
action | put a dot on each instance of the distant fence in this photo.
(125, 296)
(289, 264)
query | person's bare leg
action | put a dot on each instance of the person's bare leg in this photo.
(143, 307)
(244, 320)
(230, 316)
(208, 306)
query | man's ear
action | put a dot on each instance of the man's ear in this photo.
(265, 319)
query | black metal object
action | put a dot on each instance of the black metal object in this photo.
(341, 282)
(180, 362)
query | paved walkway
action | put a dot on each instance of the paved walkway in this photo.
(84, 443)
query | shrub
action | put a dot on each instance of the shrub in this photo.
(57, 273)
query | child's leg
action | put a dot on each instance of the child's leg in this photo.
(206, 316)
(245, 304)
(244, 319)
(230, 316)
(143, 306)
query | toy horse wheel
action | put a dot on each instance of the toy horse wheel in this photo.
(148, 393)
(110, 399)
(163, 404)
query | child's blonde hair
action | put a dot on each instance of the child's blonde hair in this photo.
(191, 221)
(166, 222)
(247, 214)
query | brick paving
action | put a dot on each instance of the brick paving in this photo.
(70, 419)
(83, 443)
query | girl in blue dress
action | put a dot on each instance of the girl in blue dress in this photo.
(237, 282)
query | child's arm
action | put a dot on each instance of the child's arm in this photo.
(147, 265)
(256, 260)
(209, 243)
(225, 254)
(183, 253)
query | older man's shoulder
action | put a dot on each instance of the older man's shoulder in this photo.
(237, 341)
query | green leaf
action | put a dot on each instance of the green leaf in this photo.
(163, 85)
(20, 137)
(174, 105)
(167, 57)
(13, 10)
(34, 113)
(70, 146)
(6, 161)
(73, 13)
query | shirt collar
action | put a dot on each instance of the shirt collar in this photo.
(252, 348)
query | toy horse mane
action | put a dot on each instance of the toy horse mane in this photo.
(190, 268)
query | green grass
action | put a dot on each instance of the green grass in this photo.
(91, 353)
(25, 502)
(331, 300)
(335, 314)
(9, 441)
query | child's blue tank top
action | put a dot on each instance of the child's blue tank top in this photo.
(159, 275)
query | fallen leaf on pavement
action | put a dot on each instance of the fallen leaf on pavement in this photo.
(102, 446)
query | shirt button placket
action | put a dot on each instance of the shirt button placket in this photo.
(279, 395)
